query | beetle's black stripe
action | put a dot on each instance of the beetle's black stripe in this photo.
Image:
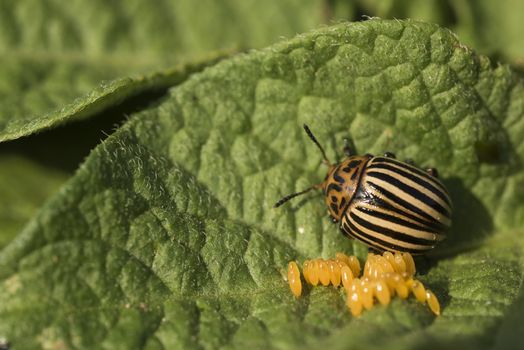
(395, 199)
(399, 236)
(352, 231)
(375, 242)
(411, 191)
(411, 168)
(380, 244)
(432, 224)
(401, 164)
(415, 193)
(396, 220)
(346, 229)
(417, 179)
(424, 176)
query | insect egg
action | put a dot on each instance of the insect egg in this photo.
(410, 264)
(400, 264)
(432, 302)
(293, 277)
(389, 257)
(384, 264)
(383, 276)
(334, 270)
(313, 272)
(305, 271)
(419, 291)
(382, 293)
(346, 277)
(390, 282)
(354, 265)
(353, 301)
(400, 286)
(323, 272)
(350, 261)
(368, 265)
(366, 294)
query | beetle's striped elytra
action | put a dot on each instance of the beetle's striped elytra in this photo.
(387, 204)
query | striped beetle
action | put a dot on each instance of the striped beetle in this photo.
(387, 204)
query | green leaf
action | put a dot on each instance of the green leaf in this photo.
(33, 169)
(21, 122)
(165, 237)
(24, 186)
(69, 62)
(492, 28)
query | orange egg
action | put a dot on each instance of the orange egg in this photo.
(293, 277)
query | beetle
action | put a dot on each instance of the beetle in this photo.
(385, 203)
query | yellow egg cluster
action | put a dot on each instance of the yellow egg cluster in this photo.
(383, 277)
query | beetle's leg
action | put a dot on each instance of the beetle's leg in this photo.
(374, 251)
(389, 155)
(433, 172)
(332, 218)
(410, 161)
(347, 150)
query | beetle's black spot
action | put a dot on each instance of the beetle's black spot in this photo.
(334, 208)
(354, 163)
(342, 203)
(334, 199)
(346, 169)
(338, 178)
(333, 186)
(354, 175)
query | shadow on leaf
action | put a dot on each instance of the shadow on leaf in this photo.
(471, 223)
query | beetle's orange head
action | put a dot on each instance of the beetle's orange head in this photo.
(340, 183)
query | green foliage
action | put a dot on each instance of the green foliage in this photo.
(165, 237)
(100, 61)
(54, 54)
(491, 27)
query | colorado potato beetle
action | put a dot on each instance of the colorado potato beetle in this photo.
(385, 203)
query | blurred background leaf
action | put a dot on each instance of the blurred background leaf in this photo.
(493, 28)
(71, 73)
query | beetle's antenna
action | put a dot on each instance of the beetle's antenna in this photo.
(314, 139)
(293, 195)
